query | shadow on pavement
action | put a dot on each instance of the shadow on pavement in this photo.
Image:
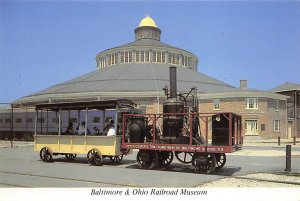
(225, 171)
(83, 160)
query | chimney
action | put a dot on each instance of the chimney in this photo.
(173, 82)
(243, 84)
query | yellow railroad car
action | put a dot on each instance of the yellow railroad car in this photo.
(97, 133)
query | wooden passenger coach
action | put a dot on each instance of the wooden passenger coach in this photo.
(107, 145)
(52, 140)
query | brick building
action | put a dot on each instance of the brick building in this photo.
(263, 114)
(291, 90)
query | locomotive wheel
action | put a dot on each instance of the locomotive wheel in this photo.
(220, 160)
(165, 158)
(204, 163)
(184, 157)
(116, 159)
(70, 156)
(46, 154)
(147, 159)
(94, 157)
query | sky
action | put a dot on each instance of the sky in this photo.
(43, 43)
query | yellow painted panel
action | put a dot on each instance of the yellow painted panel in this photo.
(65, 144)
(79, 145)
(46, 141)
(107, 145)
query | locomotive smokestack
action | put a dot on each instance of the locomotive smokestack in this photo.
(173, 82)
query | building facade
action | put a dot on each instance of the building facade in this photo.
(291, 90)
(262, 116)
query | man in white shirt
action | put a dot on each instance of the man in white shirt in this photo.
(109, 129)
(111, 132)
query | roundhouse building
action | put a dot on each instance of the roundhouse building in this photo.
(140, 69)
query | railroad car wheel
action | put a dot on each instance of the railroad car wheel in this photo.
(204, 162)
(46, 154)
(94, 157)
(220, 160)
(116, 159)
(70, 156)
(147, 159)
(125, 151)
(184, 157)
(165, 158)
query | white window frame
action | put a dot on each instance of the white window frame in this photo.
(122, 59)
(216, 104)
(147, 56)
(109, 60)
(126, 57)
(163, 57)
(137, 57)
(159, 57)
(154, 57)
(142, 56)
(130, 56)
(276, 125)
(255, 121)
(255, 103)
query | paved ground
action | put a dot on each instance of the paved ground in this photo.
(272, 142)
(257, 180)
(21, 167)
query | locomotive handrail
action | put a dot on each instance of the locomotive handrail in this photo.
(234, 131)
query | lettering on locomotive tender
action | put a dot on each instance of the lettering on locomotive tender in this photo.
(177, 148)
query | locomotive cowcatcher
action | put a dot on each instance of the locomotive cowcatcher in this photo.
(202, 139)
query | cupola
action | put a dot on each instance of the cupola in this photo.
(147, 29)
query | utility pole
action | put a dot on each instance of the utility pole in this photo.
(296, 115)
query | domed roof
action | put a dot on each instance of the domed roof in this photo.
(147, 22)
(128, 80)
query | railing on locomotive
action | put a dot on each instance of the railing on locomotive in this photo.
(234, 136)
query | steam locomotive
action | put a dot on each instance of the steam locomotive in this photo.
(183, 131)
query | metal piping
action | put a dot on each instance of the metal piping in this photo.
(173, 82)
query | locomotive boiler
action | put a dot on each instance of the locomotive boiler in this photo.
(173, 107)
